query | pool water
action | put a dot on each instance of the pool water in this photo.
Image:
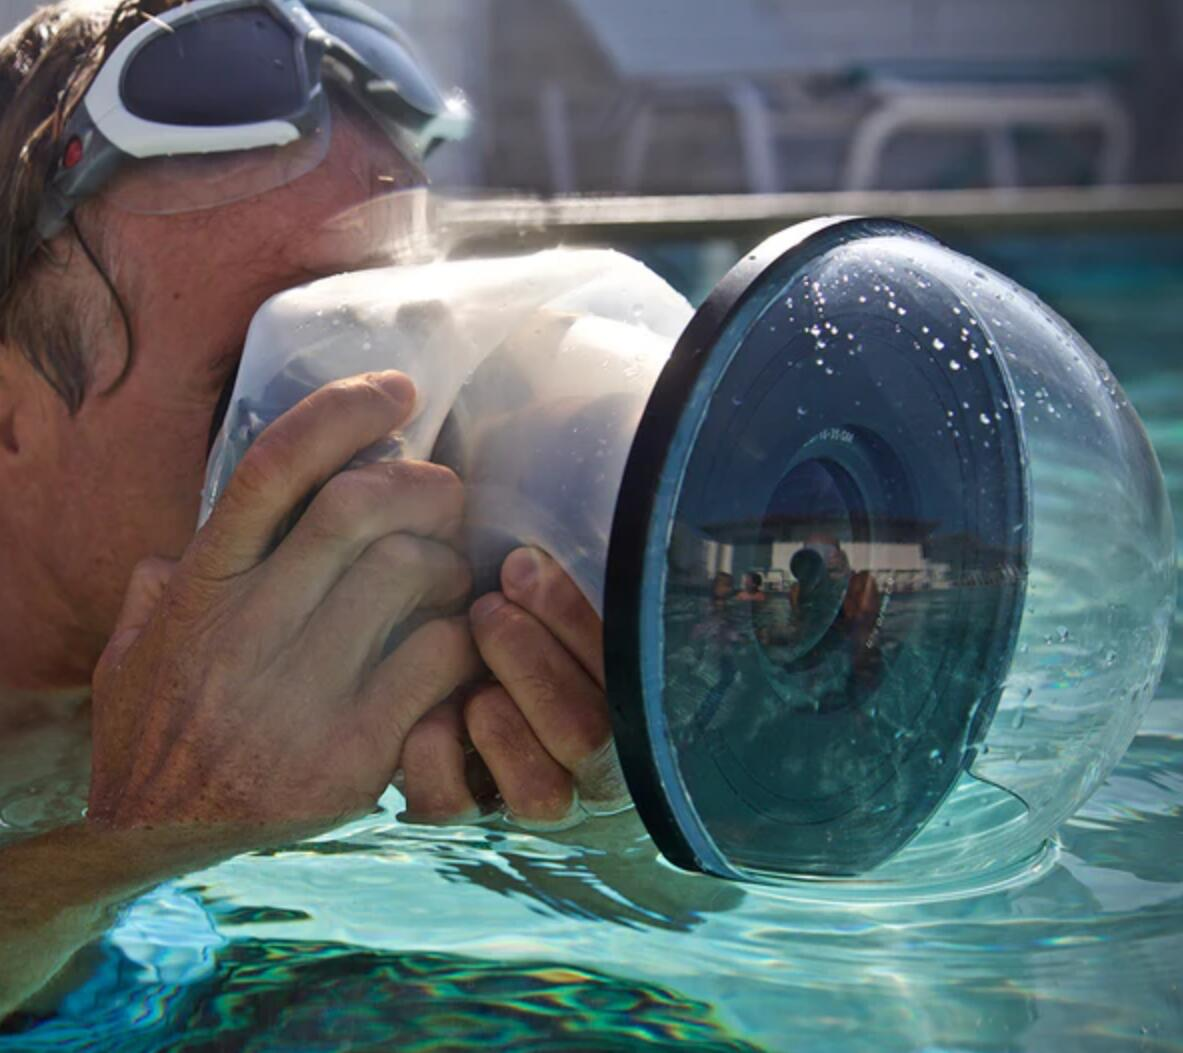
(384, 936)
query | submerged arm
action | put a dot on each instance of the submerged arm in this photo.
(59, 891)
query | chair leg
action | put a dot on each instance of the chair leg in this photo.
(1118, 135)
(1001, 157)
(634, 146)
(556, 136)
(867, 144)
(755, 136)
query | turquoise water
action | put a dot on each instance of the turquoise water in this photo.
(382, 936)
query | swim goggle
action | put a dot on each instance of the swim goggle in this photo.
(225, 99)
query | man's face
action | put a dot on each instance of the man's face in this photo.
(121, 480)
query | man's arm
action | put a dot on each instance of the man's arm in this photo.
(59, 891)
(244, 696)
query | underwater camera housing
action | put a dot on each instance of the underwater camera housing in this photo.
(963, 536)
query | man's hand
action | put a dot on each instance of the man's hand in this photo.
(542, 729)
(248, 685)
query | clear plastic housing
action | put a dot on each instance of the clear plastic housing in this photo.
(1100, 589)
(531, 373)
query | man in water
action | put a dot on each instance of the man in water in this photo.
(240, 691)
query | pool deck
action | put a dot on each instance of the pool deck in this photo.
(496, 222)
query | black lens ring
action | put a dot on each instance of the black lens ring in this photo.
(645, 475)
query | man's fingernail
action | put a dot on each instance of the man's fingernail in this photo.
(486, 605)
(520, 569)
(398, 386)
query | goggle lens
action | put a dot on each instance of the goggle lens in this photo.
(232, 67)
(390, 60)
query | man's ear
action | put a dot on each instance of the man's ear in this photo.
(9, 442)
(19, 394)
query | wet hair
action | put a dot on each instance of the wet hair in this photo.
(46, 65)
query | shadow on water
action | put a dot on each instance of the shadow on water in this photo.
(607, 871)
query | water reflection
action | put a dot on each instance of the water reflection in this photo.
(383, 926)
(607, 871)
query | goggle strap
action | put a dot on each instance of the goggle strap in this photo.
(71, 185)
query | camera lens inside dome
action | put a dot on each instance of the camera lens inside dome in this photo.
(832, 529)
(814, 512)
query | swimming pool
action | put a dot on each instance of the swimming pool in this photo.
(381, 935)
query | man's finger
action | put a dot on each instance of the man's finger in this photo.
(533, 785)
(352, 513)
(397, 575)
(293, 456)
(535, 582)
(565, 707)
(434, 763)
(425, 669)
(149, 579)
